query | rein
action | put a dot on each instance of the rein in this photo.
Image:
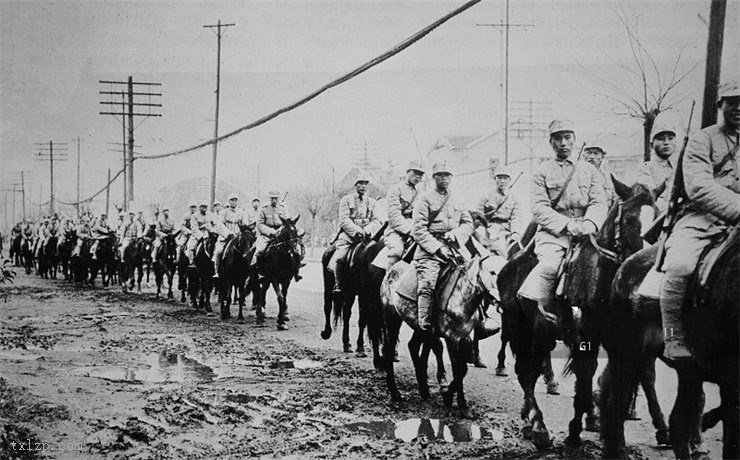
(614, 256)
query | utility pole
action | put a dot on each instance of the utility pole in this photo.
(218, 27)
(77, 205)
(506, 25)
(127, 110)
(714, 61)
(23, 195)
(107, 195)
(43, 156)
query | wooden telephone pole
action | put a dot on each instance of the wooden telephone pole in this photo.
(714, 62)
(218, 26)
(48, 154)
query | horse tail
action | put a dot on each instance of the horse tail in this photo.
(371, 311)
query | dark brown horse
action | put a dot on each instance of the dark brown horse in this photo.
(131, 270)
(200, 278)
(532, 337)
(279, 265)
(234, 270)
(48, 258)
(165, 265)
(635, 336)
(104, 262)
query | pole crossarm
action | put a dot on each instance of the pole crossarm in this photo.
(126, 83)
(135, 93)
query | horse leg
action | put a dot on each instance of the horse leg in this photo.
(730, 402)
(393, 325)
(619, 383)
(685, 418)
(361, 325)
(458, 351)
(282, 304)
(438, 349)
(584, 368)
(328, 301)
(501, 366)
(648, 385)
(347, 301)
(170, 280)
(553, 388)
(421, 371)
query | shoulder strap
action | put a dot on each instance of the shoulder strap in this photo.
(434, 214)
(555, 202)
(492, 213)
(729, 156)
(413, 198)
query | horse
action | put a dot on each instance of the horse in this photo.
(15, 253)
(149, 232)
(341, 304)
(234, 270)
(532, 337)
(79, 264)
(635, 337)
(165, 265)
(459, 319)
(48, 259)
(27, 257)
(65, 246)
(278, 267)
(371, 313)
(132, 260)
(182, 274)
(103, 260)
(200, 278)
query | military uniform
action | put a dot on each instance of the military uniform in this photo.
(199, 225)
(84, 232)
(229, 221)
(584, 200)
(609, 192)
(164, 226)
(713, 205)
(400, 200)
(505, 217)
(127, 232)
(99, 230)
(654, 173)
(357, 217)
(268, 221)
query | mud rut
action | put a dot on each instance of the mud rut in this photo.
(96, 373)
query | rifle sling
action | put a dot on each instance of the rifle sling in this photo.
(555, 202)
(729, 156)
(434, 214)
(489, 215)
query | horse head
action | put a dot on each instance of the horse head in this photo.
(287, 230)
(625, 221)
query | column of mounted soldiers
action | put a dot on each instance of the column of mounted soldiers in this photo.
(569, 198)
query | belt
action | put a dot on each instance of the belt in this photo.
(572, 213)
(498, 220)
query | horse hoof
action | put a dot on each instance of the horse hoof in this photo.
(282, 327)
(447, 397)
(240, 320)
(553, 388)
(541, 439)
(325, 335)
(661, 436)
(348, 348)
(527, 430)
(572, 442)
(396, 398)
(361, 354)
(424, 393)
(592, 424)
(501, 372)
(443, 383)
(466, 413)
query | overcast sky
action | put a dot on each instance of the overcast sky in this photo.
(54, 53)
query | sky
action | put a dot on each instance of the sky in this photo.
(53, 54)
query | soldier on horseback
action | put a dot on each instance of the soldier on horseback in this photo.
(400, 200)
(712, 188)
(201, 225)
(358, 221)
(228, 227)
(184, 233)
(165, 226)
(268, 221)
(130, 230)
(659, 170)
(568, 200)
(439, 221)
(84, 233)
(99, 231)
(40, 235)
(252, 214)
(503, 212)
(594, 153)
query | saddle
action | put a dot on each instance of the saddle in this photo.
(714, 253)
(449, 274)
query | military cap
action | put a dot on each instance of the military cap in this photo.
(217, 203)
(729, 88)
(563, 124)
(133, 213)
(192, 205)
(502, 171)
(415, 165)
(441, 168)
(165, 208)
(273, 194)
(203, 203)
(362, 176)
(256, 198)
(662, 126)
(102, 214)
(233, 196)
(594, 145)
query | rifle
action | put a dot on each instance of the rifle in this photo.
(563, 268)
(676, 200)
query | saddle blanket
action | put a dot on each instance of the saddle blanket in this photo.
(448, 277)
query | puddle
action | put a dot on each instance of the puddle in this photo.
(431, 429)
(158, 368)
(297, 364)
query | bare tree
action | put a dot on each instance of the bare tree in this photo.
(314, 198)
(645, 88)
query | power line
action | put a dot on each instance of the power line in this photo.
(336, 82)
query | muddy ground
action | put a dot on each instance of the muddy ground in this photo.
(100, 374)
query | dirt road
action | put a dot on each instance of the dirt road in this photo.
(96, 373)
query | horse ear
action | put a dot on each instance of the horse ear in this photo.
(283, 220)
(657, 191)
(622, 190)
(296, 219)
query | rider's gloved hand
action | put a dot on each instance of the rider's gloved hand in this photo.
(574, 228)
(588, 227)
(445, 252)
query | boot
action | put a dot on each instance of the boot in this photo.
(671, 300)
(216, 266)
(475, 355)
(425, 301)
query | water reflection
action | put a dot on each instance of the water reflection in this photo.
(430, 429)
